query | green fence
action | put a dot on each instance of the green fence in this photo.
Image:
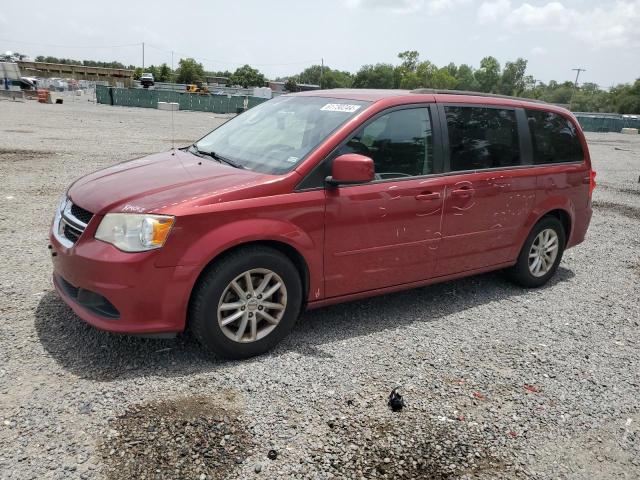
(139, 97)
(603, 122)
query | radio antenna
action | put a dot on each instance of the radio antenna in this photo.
(173, 137)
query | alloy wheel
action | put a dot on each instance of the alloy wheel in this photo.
(543, 253)
(252, 305)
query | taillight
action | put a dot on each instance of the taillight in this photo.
(592, 182)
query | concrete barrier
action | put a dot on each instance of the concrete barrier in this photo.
(630, 131)
(12, 94)
(168, 106)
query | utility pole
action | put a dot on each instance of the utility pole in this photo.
(321, 70)
(578, 71)
(142, 56)
(575, 85)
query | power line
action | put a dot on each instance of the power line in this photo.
(69, 46)
(145, 44)
(225, 62)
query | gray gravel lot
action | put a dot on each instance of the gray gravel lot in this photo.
(500, 382)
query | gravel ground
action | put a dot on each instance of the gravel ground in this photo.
(499, 382)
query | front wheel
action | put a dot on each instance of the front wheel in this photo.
(540, 255)
(246, 303)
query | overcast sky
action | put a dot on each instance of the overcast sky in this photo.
(284, 36)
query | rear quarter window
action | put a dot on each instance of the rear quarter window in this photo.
(555, 139)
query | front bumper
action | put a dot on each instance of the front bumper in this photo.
(139, 298)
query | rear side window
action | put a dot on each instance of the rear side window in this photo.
(482, 138)
(555, 139)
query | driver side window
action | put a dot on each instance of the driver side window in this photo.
(400, 143)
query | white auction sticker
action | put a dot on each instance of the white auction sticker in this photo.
(340, 107)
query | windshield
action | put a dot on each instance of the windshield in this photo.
(277, 135)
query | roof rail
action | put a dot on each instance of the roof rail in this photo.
(475, 94)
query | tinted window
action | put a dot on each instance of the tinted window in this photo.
(482, 138)
(554, 138)
(400, 143)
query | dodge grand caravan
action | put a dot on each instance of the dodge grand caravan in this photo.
(317, 198)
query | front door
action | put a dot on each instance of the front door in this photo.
(386, 232)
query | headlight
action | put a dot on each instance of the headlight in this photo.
(134, 232)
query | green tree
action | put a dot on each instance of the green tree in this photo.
(488, 75)
(312, 75)
(164, 73)
(512, 81)
(189, 71)
(590, 98)
(246, 76)
(408, 80)
(339, 79)
(560, 93)
(291, 85)
(426, 73)
(410, 59)
(452, 69)
(380, 75)
(220, 73)
(626, 98)
(325, 77)
(153, 70)
(406, 74)
(442, 79)
(466, 79)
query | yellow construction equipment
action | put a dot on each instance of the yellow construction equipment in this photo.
(198, 88)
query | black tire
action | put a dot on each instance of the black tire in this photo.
(203, 309)
(520, 272)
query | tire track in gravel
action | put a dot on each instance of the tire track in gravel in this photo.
(18, 154)
(632, 191)
(626, 210)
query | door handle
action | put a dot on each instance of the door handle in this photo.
(463, 192)
(426, 196)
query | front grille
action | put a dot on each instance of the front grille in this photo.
(68, 288)
(72, 233)
(81, 214)
(73, 222)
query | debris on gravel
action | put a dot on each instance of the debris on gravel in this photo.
(180, 438)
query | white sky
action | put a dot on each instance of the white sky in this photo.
(284, 36)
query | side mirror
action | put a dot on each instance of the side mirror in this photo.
(351, 168)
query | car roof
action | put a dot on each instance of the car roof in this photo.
(433, 95)
(364, 94)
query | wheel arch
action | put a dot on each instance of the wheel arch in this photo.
(298, 260)
(565, 220)
(560, 208)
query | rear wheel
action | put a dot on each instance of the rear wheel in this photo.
(540, 255)
(246, 303)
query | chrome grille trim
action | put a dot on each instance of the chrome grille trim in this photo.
(70, 219)
(64, 220)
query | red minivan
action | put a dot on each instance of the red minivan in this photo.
(318, 198)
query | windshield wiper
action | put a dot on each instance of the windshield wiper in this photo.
(219, 158)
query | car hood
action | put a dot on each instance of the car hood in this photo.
(161, 181)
